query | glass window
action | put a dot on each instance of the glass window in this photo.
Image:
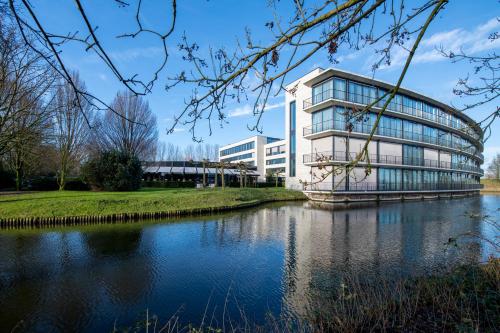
(339, 115)
(389, 179)
(322, 120)
(322, 91)
(412, 180)
(412, 131)
(390, 126)
(413, 155)
(339, 88)
(238, 149)
(237, 157)
(275, 161)
(430, 135)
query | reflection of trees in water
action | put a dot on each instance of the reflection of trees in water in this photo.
(370, 242)
(121, 243)
(40, 285)
(122, 263)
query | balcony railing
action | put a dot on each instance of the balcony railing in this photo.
(342, 156)
(388, 187)
(394, 106)
(365, 128)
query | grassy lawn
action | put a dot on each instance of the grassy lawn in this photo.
(490, 185)
(79, 203)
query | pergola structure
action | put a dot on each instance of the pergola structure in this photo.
(194, 170)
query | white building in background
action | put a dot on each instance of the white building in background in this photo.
(275, 158)
(421, 145)
(253, 151)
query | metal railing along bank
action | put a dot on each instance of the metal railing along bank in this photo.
(389, 187)
(365, 128)
(342, 156)
(436, 115)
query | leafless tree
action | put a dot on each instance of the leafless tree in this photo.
(214, 155)
(24, 82)
(493, 170)
(253, 69)
(199, 155)
(30, 127)
(171, 151)
(130, 136)
(481, 85)
(161, 151)
(70, 128)
(189, 153)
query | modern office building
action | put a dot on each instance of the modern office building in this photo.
(420, 148)
(253, 151)
(275, 159)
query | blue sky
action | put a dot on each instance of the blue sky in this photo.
(464, 24)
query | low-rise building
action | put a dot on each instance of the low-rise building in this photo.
(275, 159)
(252, 151)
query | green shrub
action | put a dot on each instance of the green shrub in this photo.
(43, 183)
(76, 184)
(113, 171)
(270, 184)
(7, 179)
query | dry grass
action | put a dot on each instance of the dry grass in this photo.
(466, 299)
(490, 185)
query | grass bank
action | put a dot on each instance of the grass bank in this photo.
(68, 207)
(490, 186)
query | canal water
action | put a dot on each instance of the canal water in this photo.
(273, 259)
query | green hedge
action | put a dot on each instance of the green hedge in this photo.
(76, 185)
(7, 179)
(270, 184)
(168, 184)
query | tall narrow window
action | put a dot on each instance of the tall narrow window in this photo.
(292, 116)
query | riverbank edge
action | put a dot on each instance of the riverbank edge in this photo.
(491, 186)
(34, 222)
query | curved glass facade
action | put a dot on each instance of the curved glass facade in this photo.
(417, 146)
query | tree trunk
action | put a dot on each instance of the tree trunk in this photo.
(204, 176)
(62, 179)
(222, 175)
(18, 179)
(216, 171)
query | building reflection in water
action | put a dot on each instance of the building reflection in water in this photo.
(370, 241)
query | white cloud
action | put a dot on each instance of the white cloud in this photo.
(241, 111)
(136, 53)
(470, 41)
(246, 109)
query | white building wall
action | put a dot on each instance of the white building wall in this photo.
(298, 92)
(258, 153)
(276, 156)
(431, 154)
(393, 149)
(356, 146)
(445, 157)
(340, 144)
(359, 177)
(322, 145)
